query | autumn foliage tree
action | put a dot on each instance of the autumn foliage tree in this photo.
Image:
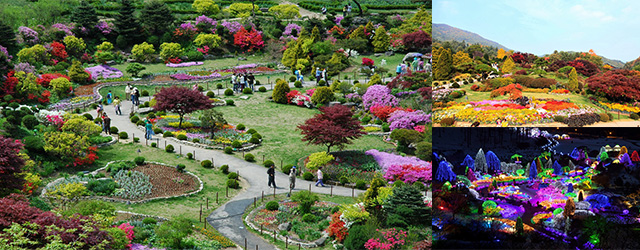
(335, 126)
(616, 85)
(10, 165)
(181, 100)
(249, 40)
(508, 66)
(418, 40)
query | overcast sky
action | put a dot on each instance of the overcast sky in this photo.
(610, 27)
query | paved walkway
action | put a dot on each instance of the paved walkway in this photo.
(228, 218)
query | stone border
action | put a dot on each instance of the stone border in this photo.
(158, 218)
(113, 141)
(95, 172)
(200, 145)
(317, 243)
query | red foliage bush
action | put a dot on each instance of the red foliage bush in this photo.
(58, 51)
(367, 61)
(337, 228)
(418, 40)
(514, 91)
(425, 92)
(521, 72)
(250, 40)
(618, 85)
(555, 66)
(45, 79)
(383, 112)
(523, 58)
(584, 67)
(10, 165)
(475, 87)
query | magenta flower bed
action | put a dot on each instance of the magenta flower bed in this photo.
(246, 66)
(408, 120)
(104, 71)
(185, 64)
(408, 173)
(386, 160)
(183, 76)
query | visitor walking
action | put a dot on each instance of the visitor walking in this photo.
(136, 94)
(318, 75)
(127, 91)
(324, 10)
(344, 11)
(349, 9)
(117, 103)
(106, 123)
(324, 74)
(414, 64)
(100, 110)
(319, 177)
(234, 82)
(399, 69)
(272, 176)
(251, 80)
(148, 130)
(243, 81)
(109, 97)
(292, 178)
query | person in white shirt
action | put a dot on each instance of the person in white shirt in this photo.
(319, 177)
(292, 178)
(127, 91)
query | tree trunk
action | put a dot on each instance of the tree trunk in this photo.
(180, 124)
(359, 7)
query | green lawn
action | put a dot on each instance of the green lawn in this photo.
(208, 64)
(214, 181)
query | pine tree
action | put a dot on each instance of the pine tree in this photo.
(573, 80)
(315, 34)
(8, 38)
(127, 24)
(381, 40)
(156, 17)
(406, 204)
(508, 66)
(85, 15)
(442, 63)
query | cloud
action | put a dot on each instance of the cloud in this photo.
(583, 13)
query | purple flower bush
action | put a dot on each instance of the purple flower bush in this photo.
(289, 29)
(232, 27)
(338, 20)
(246, 66)
(183, 76)
(27, 36)
(104, 27)
(4, 51)
(185, 64)
(137, 246)
(378, 95)
(104, 71)
(407, 120)
(26, 67)
(386, 160)
(404, 93)
(187, 27)
(64, 28)
(206, 20)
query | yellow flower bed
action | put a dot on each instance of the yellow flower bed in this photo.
(621, 107)
(513, 116)
(170, 116)
(371, 129)
(185, 125)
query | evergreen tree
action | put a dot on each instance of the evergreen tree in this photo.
(85, 15)
(461, 58)
(481, 162)
(569, 208)
(573, 80)
(406, 207)
(156, 17)
(8, 38)
(127, 24)
(442, 63)
(508, 66)
(381, 40)
(315, 34)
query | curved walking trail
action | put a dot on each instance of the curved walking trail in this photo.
(227, 219)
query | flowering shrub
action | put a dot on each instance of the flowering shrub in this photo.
(64, 28)
(391, 239)
(336, 227)
(620, 107)
(318, 159)
(89, 158)
(297, 98)
(338, 19)
(408, 119)
(185, 64)
(353, 213)
(383, 112)
(378, 95)
(128, 229)
(232, 27)
(287, 34)
(27, 36)
(45, 79)
(386, 160)
(104, 71)
(104, 27)
(367, 61)
(246, 66)
(250, 40)
(58, 52)
(408, 173)
(204, 24)
(31, 183)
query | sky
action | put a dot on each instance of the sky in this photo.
(609, 27)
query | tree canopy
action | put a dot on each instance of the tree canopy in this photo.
(181, 100)
(335, 126)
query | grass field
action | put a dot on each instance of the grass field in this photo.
(214, 181)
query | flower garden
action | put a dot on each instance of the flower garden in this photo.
(576, 193)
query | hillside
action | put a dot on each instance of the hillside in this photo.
(613, 62)
(445, 32)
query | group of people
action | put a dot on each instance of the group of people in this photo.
(133, 94)
(242, 80)
(346, 10)
(106, 121)
(321, 75)
(292, 177)
(416, 65)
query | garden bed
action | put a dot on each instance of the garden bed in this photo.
(165, 180)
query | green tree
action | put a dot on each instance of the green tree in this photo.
(442, 63)
(406, 207)
(74, 45)
(358, 33)
(211, 40)
(519, 227)
(170, 50)
(322, 95)
(61, 86)
(315, 34)
(206, 7)
(142, 52)
(156, 17)
(8, 38)
(508, 66)
(381, 40)
(285, 11)
(85, 15)
(135, 68)
(573, 80)
(419, 21)
(280, 91)
(77, 73)
(34, 54)
(80, 126)
(212, 119)
(127, 25)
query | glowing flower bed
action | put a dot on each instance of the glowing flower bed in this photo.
(541, 217)
(620, 107)
(511, 192)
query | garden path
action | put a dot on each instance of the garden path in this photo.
(228, 218)
(307, 13)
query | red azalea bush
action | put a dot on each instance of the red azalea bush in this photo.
(45, 79)
(618, 85)
(89, 158)
(336, 227)
(558, 105)
(249, 40)
(367, 61)
(9, 85)
(292, 94)
(383, 112)
(58, 52)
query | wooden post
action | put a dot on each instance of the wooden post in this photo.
(207, 202)
(217, 198)
(227, 191)
(280, 164)
(165, 143)
(242, 154)
(133, 135)
(146, 142)
(274, 236)
(299, 246)
(274, 192)
(260, 229)
(286, 242)
(262, 195)
(180, 149)
(205, 223)
(309, 187)
(200, 212)
(255, 202)
(262, 158)
(256, 247)
(245, 243)
(331, 195)
(194, 154)
(353, 193)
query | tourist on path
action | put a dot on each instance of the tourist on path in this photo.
(251, 80)
(292, 178)
(324, 74)
(106, 124)
(318, 75)
(320, 177)
(109, 97)
(127, 91)
(117, 103)
(272, 176)
(148, 130)
(100, 110)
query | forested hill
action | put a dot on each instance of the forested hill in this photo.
(445, 32)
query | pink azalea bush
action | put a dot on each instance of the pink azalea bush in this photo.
(408, 173)
(391, 239)
(380, 95)
(185, 64)
(104, 71)
(246, 66)
(407, 120)
(183, 76)
(232, 27)
(289, 29)
(386, 160)
(128, 229)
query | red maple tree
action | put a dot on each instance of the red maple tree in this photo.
(617, 85)
(10, 164)
(418, 40)
(335, 126)
(181, 100)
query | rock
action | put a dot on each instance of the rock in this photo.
(264, 9)
(112, 62)
(242, 58)
(377, 54)
(321, 241)
(228, 56)
(284, 226)
(582, 214)
(350, 104)
(333, 103)
(244, 97)
(145, 110)
(389, 53)
(131, 60)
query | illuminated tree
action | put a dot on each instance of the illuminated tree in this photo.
(481, 162)
(468, 162)
(445, 173)
(569, 208)
(493, 163)
(533, 171)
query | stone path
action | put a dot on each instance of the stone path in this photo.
(227, 218)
